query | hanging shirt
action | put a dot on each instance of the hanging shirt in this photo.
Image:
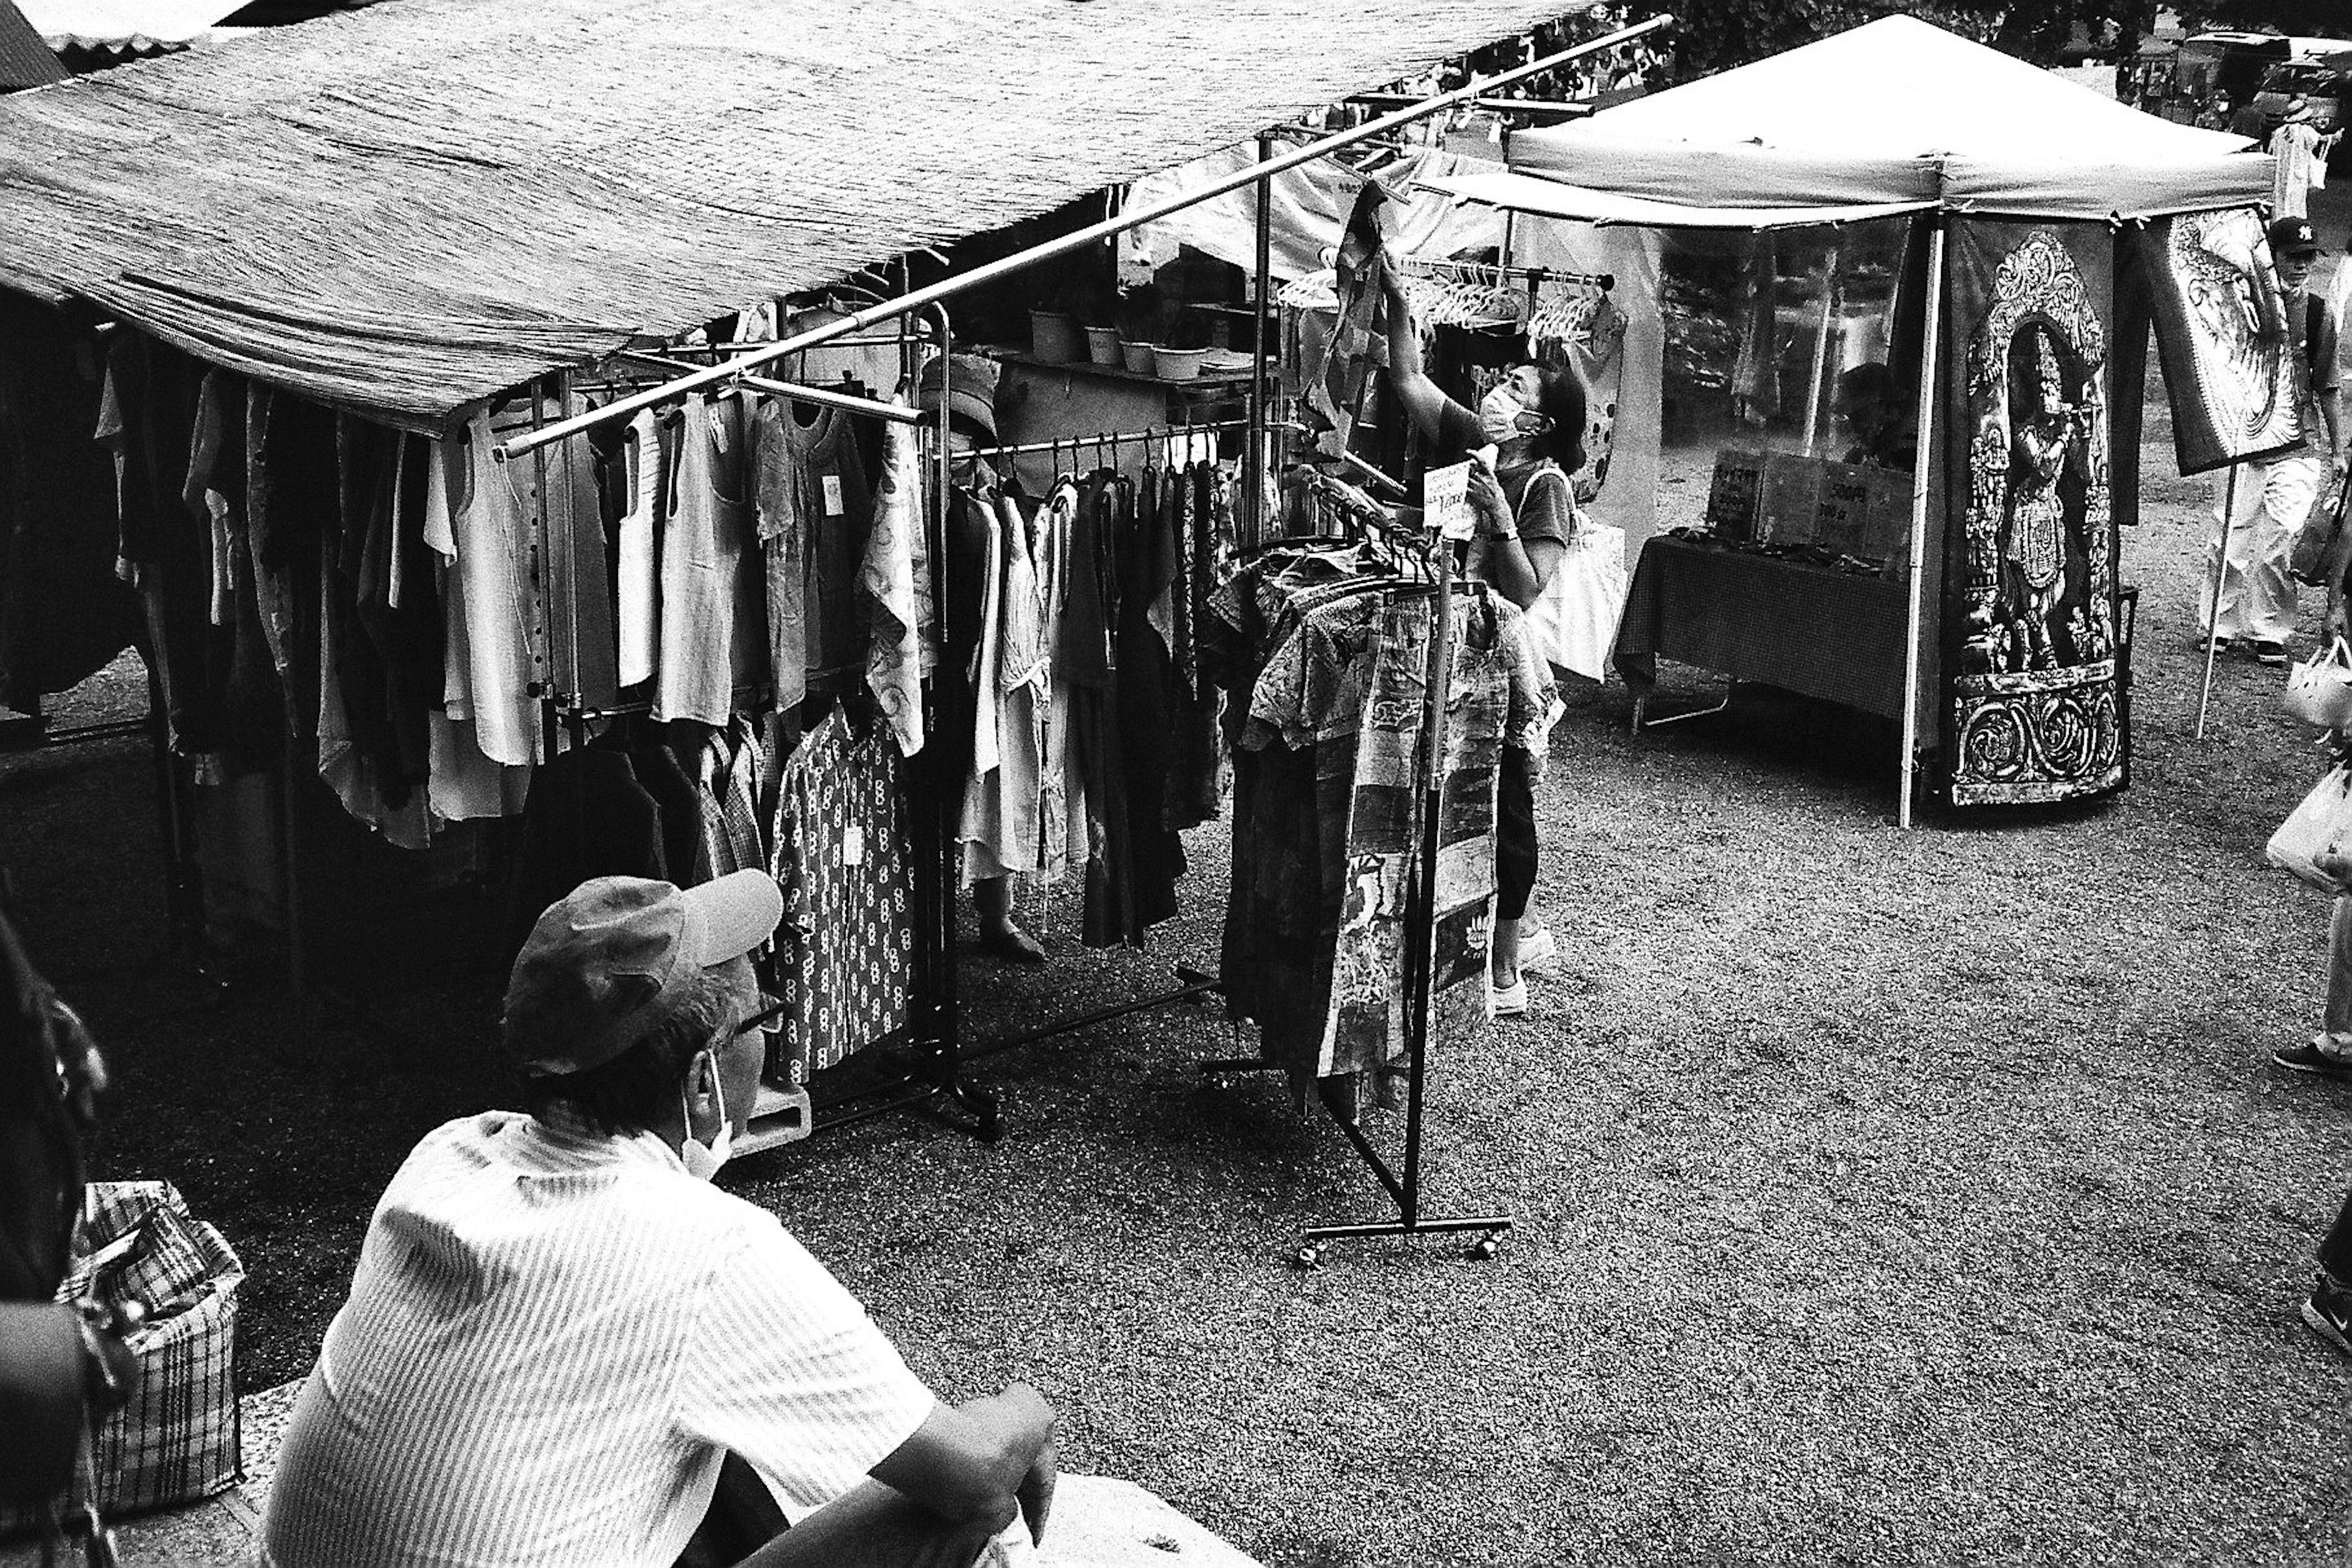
(490, 510)
(845, 949)
(702, 562)
(814, 485)
(895, 579)
(646, 453)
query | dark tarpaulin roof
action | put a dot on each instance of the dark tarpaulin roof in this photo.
(410, 207)
(25, 60)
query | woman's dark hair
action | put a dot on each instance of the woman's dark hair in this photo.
(637, 1088)
(1561, 402)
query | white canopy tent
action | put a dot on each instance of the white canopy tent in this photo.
(1894, 117)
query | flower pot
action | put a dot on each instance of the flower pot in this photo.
(1103, 346)
(1054, 336)
(1179, 364)
(1139, 358)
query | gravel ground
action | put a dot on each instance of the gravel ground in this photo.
(1879, 1196)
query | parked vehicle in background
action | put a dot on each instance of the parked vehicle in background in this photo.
(2232, 64)
(2322, 78)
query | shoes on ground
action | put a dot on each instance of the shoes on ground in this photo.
(2269, 653)
(1537, 948)
(2222, 646)
(2310, 1057)
(1511, 1001)
(2328, 1312)
(1013, 945)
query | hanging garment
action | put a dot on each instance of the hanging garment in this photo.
(785, 522)
(980, 827)
(147, 418)
(896, 579)
(969, 538)
(817, 487)
(290, 506)
(586, 817)
(64, 612)
(466, 782)
(844, 950)
(730, 767)
(1146, 709)
(1367, 1032)
(490, 539)
(1024, 807)
(703, 566)
(646, 458)
(349, 768)
(253, 701)
(1193, 500)
(584, 637)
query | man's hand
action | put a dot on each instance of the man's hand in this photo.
(1036, 1493)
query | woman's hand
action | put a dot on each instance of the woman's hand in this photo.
(1492, 507)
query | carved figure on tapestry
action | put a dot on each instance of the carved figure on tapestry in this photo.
(2035, 591)
(2048, 456)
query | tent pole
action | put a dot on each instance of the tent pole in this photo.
(1020, 261)
(1821, 350)
(1930, 357)
(2213, 604)
(1254, 473)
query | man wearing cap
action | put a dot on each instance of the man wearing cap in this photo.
(2274, 495)
(559, 1332)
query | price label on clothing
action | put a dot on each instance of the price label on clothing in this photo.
(853, 845)
(1445, 498)
(833, 502)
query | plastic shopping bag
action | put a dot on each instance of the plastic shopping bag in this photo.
(1574, 619)
(2314, 843)
(2319, 689)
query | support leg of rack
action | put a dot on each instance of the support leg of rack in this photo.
(1641, 707)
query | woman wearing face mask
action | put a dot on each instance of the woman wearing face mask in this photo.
(1534, 419)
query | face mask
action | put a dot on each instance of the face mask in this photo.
(703, 1159)
(1499, 412)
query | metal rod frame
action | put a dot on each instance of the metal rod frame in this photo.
(2213, 603)
(1930, 367)
(1020, 261)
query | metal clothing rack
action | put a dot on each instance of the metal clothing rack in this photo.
(933, 1081)
(1438, 561)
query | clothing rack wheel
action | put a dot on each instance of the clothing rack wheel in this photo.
(1489, 1243)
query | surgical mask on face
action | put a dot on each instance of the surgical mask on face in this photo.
(1499, 413)
(703, 1159)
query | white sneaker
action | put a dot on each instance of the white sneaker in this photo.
(1511, 1001)
(1537, 948)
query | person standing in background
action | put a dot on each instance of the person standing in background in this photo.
(2272, 494)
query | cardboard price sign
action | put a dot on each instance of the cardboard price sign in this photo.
(1445, 502)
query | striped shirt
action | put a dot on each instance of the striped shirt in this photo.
(552, 1338)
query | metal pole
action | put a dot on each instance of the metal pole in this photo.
(1022, 261)
(1930, 357)
(2213, 604)
(1821, 352)
(1254, 460)
(795, 391)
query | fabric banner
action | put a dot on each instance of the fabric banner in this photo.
(2033, 711)
(2205, 280)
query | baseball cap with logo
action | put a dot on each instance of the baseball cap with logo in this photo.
(601, 969)
(2291, 235)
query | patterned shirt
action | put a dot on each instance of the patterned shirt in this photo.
(552, 1339)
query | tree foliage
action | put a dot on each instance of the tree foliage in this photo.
(1710, 36)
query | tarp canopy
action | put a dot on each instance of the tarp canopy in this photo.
(1309, 208)
(411, 207)
(1894, 115)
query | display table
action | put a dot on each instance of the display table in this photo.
(1834, 635)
